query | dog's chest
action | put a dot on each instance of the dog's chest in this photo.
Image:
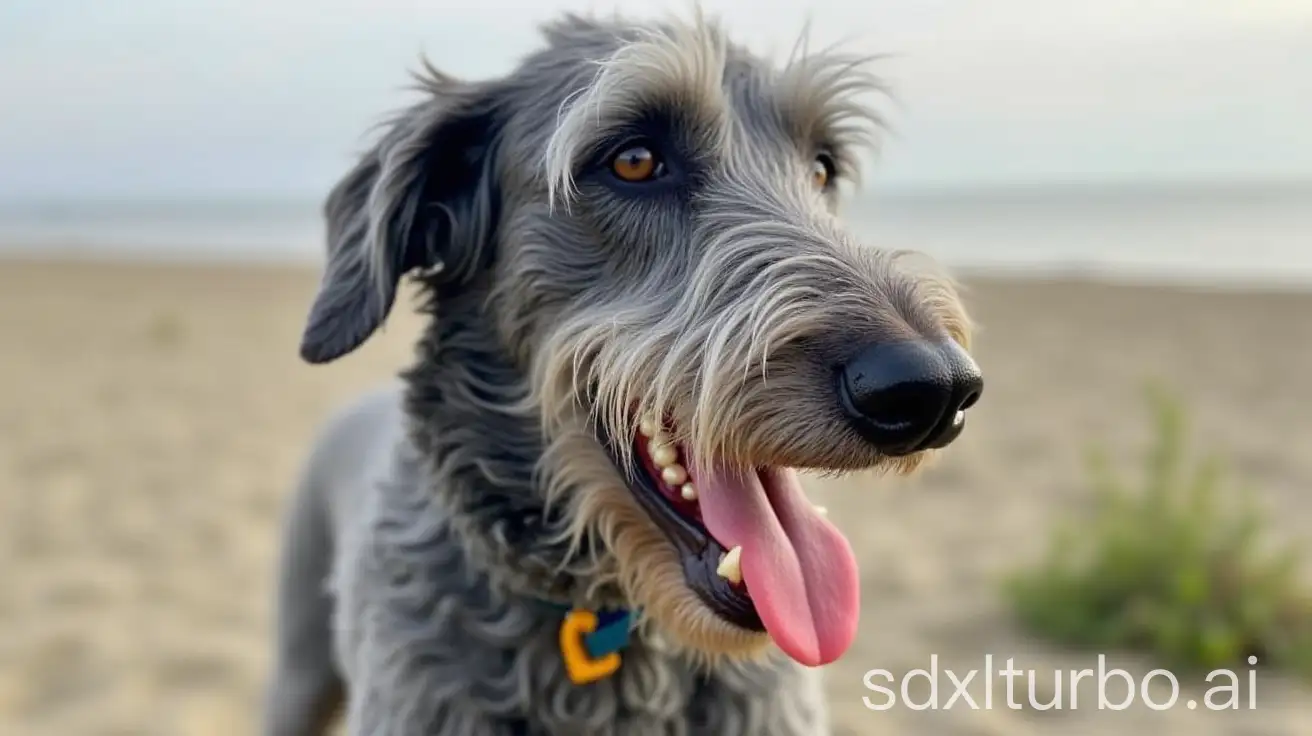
(471, 682)
(428, 649)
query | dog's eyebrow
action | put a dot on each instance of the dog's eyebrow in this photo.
(827, 98)
(675, 66)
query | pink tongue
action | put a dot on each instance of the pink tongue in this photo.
(798, 568)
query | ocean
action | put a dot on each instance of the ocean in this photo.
(1236, 235)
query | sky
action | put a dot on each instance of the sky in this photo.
(271, 98)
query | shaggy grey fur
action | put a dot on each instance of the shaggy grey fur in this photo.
(439, 524)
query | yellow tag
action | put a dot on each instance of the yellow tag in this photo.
(579, 665)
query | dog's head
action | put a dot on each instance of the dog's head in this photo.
(641, 218)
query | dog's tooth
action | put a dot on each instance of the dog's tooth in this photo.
(731, 566)
(689, 492)
(662, 453)
(648, 427)
(822, 510)
(674, 474)
(959, 417)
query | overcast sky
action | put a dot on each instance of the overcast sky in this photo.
(148, 98)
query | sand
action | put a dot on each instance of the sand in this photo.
(152, 418)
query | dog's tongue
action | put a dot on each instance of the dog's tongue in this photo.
(798, 568)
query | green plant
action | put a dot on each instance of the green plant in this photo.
(1176, 568)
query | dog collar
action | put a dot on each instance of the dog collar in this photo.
(590, 642)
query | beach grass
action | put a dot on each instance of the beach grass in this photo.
(1178, 563)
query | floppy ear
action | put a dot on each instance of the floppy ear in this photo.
(422, 197)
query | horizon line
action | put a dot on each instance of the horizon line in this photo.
(872, 188)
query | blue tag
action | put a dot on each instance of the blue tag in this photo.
(612, 634)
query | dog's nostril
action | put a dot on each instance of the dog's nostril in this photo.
(970, 400)
(905, 396)
(966, 381)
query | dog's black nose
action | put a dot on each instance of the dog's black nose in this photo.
(908, 396)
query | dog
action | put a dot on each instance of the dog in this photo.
(578, 511)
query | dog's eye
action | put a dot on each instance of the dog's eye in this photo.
(637, 164)
(822, 170)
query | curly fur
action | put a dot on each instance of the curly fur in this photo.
(439, 525)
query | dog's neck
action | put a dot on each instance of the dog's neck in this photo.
(480, 452)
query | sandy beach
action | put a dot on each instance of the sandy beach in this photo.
(152, 419)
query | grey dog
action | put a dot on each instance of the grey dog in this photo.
(644, 319)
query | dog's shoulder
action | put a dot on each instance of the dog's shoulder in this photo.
(363, 422)
(354, 447)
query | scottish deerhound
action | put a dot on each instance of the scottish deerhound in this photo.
(578, 514)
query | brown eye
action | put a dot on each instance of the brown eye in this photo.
(822, 170)
(636, 164)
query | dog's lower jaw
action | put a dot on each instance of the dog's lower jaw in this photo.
(653, 577)
(645, 564)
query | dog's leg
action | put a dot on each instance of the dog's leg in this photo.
(305, 691)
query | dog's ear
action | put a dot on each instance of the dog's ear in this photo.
(422, 197)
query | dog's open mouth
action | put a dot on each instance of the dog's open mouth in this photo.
(754, 548)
